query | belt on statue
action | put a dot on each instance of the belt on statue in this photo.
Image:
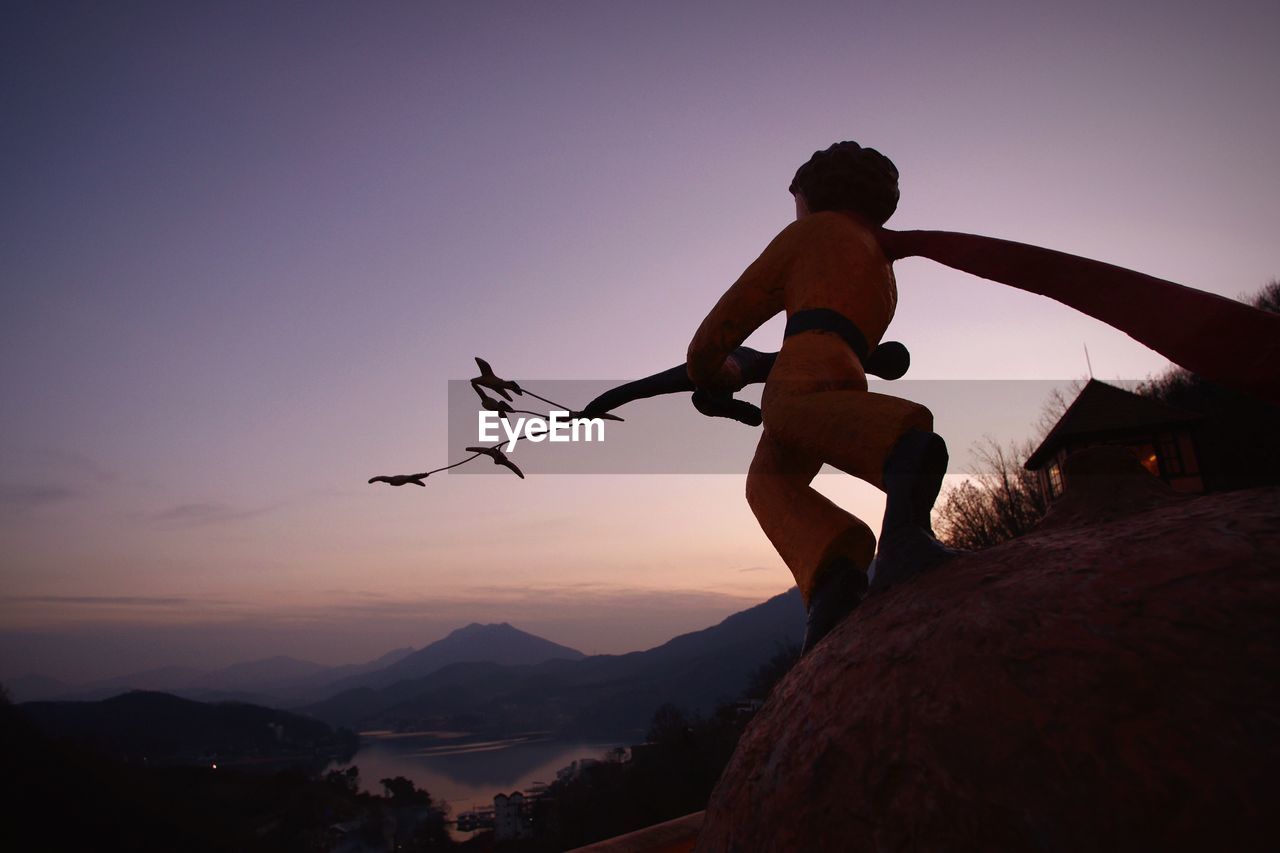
(828, 320)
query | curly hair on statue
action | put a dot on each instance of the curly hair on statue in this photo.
(847, 176)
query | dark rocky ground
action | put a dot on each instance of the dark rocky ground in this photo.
(1110, 681)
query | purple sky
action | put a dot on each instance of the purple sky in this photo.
(244, 246)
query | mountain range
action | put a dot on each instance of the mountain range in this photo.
(487, 678)
(284, 681)
(601, 695)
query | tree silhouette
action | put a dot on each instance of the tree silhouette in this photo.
(402, 791)
(1000, 501)
(347, 781)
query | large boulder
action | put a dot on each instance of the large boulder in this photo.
(1104, 684)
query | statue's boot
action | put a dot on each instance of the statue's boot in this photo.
(913, 475)
(840, 589)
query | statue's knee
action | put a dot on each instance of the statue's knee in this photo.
(921, 419)
(752, 491)
(757, 490)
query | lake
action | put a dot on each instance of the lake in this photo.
(469, 773)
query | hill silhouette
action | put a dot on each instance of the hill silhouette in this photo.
(158, 726)
(59, 795)
(271, 681)
(600, 695)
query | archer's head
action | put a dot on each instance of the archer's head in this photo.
(847, 176)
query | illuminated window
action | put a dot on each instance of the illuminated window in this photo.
(1055, 480)
(1147, 456)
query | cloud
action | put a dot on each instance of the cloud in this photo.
(20, 497)
(758, 569)
(74, 463)
(59, 612)
(508, 603)
(110, 600)
(200, 514)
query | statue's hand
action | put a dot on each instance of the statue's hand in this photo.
(729, 379)
(721, 404)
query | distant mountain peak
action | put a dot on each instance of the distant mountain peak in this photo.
(496, 642)
(490, 628)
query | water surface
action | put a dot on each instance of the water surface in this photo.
(466, 774)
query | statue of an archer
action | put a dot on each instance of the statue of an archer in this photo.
(831, 272)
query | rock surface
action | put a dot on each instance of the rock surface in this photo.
(1104, 685)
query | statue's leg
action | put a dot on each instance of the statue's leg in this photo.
(807, 529)
(890, 443)
(854, 431)
(827, 549)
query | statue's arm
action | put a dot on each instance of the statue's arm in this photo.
(1223, 340)
(670, 381)
(755, 297)
(754, 367)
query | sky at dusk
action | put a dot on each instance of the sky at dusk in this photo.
(245, 246)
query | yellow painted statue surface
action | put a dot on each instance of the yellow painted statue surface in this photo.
(816, 405)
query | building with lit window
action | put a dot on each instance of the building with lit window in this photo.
(1161, 437)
